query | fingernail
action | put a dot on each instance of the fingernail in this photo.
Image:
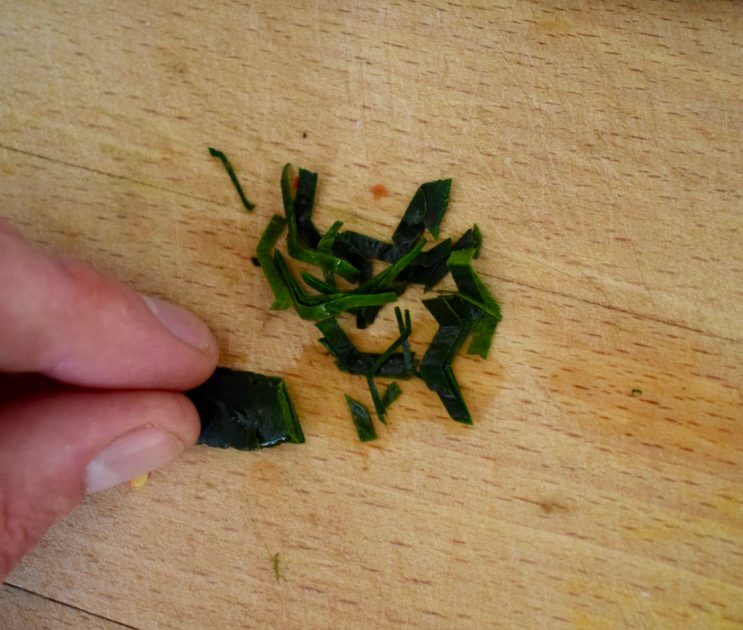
(133, 454)
(182, 323)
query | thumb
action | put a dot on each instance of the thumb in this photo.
(57, 446)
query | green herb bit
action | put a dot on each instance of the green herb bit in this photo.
(376, 398)
(276, 569)
(233, 178)
(391, 394)
(319, 285)
(471, 239)
(264, 256)
(386, 277)
(301, 243)
(456, 317)
(405, 331)
(482, 336)
(314, 307)
(245, 410)
(304, 199)
(636, 391)
(426, 210)
(371, 247)
(471, 287)
(404, 326)
(469, 283)
(361, 420)
(385, 280)
(429, 267)
(325, 246)
(404, 334)
(350, 359)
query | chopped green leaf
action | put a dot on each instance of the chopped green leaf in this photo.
(391, 394)
(264, 256)
(470, 286)
(371, 247)
(376, 398)
(385, 280)
(405, 331)
(304, 199)
(325, 244)
(406, 328)
(233, 178)
(350, 359)
(426, 210)
(429, 267)
(346, 250)
(302, 238)
(455, 317)
(319, 285)
(471, 239)
(315, 307)
(245, 410)
(361, 420)
(482, 336)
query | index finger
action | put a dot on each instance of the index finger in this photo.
(63, 319)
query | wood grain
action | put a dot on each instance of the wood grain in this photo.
(598, 150)
(23, 611)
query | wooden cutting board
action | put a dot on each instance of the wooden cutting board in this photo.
(597, 146)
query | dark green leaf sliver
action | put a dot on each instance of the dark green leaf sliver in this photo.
(304, 199)
(245, 410)
(405, 331)
(472, 288)
(371, 247)
(469, 283)
(406, 328)
(425, 211)
(361, 420)
(325, 245)
(456, 317)
(319, 285)
(437, 201)
(482, 336)
(314, 307)
(385, 280)
(301, 244)
(350, 359)
(376, 398)
(471, 239)
(391, 394)
(233, 178)
(264, 255)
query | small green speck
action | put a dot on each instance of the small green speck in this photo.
(636, 391)
(276, 570)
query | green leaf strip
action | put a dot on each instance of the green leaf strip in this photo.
(233, 178)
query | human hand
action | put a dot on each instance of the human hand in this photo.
(101, 406)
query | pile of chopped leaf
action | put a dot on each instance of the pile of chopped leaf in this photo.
(469, 312)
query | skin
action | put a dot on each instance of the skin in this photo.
(84, 361)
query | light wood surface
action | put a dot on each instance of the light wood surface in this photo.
(23, 610)
(599, 149)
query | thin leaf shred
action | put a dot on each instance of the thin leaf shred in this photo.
(391, 393)
(264, 256)
(233, 178)
(361, 420)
